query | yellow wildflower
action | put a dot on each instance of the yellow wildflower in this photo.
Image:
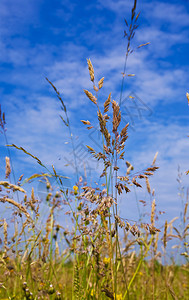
(75, 188)
(106, 260)
(118, 296)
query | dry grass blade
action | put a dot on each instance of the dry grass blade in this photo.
(91, 70)
(91, 97)
(8, 168)
(174, 296)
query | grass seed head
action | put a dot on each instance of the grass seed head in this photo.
(8, 167)
(100, 83)
(91, 70)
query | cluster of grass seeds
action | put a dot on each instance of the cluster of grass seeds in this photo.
(103, 256)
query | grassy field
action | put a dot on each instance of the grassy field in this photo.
(101, 256)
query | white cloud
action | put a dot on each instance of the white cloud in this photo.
(16, 14)
(173, 14)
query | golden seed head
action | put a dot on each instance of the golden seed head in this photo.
(100, 83)
(187, 96)
(91, 97)
(8, 168)
(91, 70)
(153, 212)
(148, 185)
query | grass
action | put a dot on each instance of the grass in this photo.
(102, 256)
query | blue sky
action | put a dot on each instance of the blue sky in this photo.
(53, 39)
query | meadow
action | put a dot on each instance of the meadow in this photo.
(101, 256)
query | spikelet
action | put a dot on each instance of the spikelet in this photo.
(8, 168)
(142, 45)
(154, 160)
(153, 212)
(107, 103)
(32, 196)
(116, 116)
(100, 83)
(152, 169)
(129, 167)
(148, 185)
(91, 150)
(91, 70)
(165, 235)
(187, 96)
(124, 130)
(95, 88)
(90, 96)
(185, 211)
(134, 181)
(85, 122)
(77, 287)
